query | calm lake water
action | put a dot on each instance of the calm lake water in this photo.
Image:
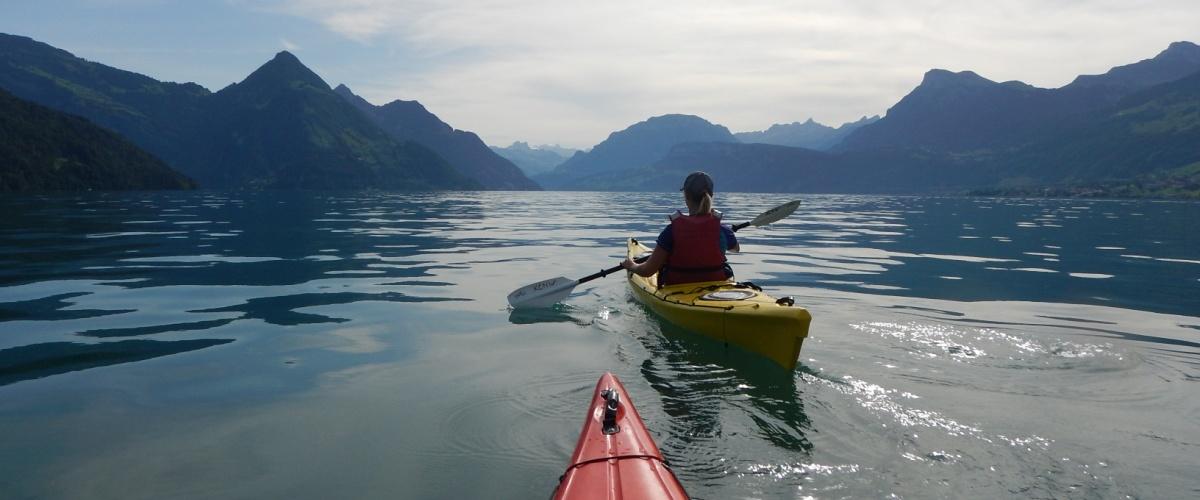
(343, 345)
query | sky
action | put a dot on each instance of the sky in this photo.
(571, 72)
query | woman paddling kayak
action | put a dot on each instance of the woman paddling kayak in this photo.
(694, 289)
(692, 247)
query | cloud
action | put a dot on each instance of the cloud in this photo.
(571, 72)
(288, 45)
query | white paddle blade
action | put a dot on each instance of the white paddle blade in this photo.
(776, 214)
(542, 294)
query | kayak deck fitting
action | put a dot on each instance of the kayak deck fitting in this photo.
(738, 314)
(615, 457)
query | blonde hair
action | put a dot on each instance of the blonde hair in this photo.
(704, 205)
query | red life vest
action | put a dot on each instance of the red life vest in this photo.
(695, 252)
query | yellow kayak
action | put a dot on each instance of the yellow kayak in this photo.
(724, 310)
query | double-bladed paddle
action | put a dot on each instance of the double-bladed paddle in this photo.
(546, 293)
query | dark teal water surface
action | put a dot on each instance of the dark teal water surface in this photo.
(358, 345)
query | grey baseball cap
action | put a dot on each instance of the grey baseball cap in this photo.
(697, 184)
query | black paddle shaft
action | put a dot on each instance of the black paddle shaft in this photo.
(606, 272)
(601, 274)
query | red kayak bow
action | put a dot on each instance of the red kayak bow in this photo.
(615, 458)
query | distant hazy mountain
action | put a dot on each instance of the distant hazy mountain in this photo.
(964, 112)
(809, 135)
(43, 150)
(768, 168)
(555, 148)
(639, 145)
(741, 167)
(534, 160)
(282, 127)
(410, 121)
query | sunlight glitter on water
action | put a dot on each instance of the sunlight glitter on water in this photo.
(942, 337)
(784, 471)
(880, 400)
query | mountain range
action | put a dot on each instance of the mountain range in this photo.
(281, 127)
(637, 146)
(284, 127)
(964, 112)
(955, 132)
(1134, 129)
(809, 135)
(534, 160)
(410, 121)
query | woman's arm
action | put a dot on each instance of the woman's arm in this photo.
(650, 266)
(730, 239)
